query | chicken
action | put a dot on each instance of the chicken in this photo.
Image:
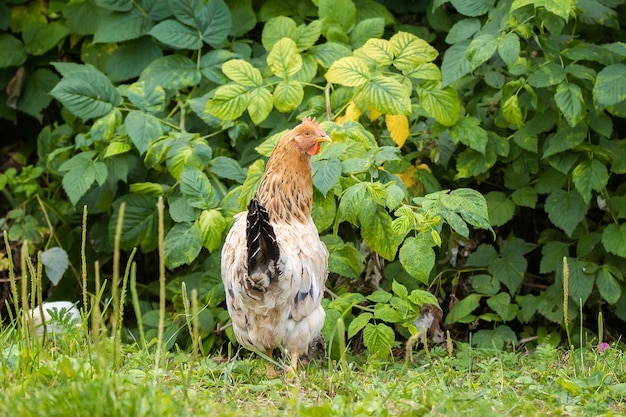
(274, 265)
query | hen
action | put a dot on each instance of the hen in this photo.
(274, 265)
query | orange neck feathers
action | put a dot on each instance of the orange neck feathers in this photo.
(286, 190)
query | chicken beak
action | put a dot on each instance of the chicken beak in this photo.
(324, 138)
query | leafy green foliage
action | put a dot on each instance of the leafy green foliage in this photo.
(521, 102)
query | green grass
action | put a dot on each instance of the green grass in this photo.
(71, 377)
(90, 371)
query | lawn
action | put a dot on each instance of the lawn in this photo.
(81, 375)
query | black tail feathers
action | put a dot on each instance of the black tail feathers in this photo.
(263, 251)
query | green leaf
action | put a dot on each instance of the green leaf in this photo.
(13, 54)
(55, 262)
(288, 95)
(483, 256)
(421, 297)
(120, 27)
(212, 226)
(348, 71)
(610, 86)
(472, 207)
(367, 29)
(608, 286)
(411, 51)
(509, 270)
(485, 284)
(242, 72)
(565, 209)
(387, 313)
(216, 22)
(386, 95)
(277, 28)
(182, 244)
(378, 234)
(418, 257)
(455, 64)
(569, 99)
(590, 175)
(229, 102)
(80, 176)
(358, 324)
(501, 209)
(339, 12)
(104, 127)
(142, 128)
(327, 53)
(442, 104)
(467, 130)
(243, 14)
(284, 59)
(145, 96)
(512, 111)
(473, 8)
(481, 49)
(344, 259)
(211, 65)
(82, 18)
(462, 30)
(525, 197)
(308, 34)
(547, 75)
(187, 151)
(399, 290)
(172, 72)
(228, 168)
(509, 48)
(177, 35)
(614, 239)
(196, 187)
(326, 174)
(131, 58)
(86, 92)
(34, 97)
(565, 138)
(40, 37)
(463, 309)
(260, 105)
(378, 339)
(140, 222)
(500, 303)
(526, 141)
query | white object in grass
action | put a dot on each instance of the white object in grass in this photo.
(58, 316)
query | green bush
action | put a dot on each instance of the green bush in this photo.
(520, 100)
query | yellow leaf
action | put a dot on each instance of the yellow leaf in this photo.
(374, 114)
(425, 168)
(398, 126)
(352, 113)
(407, 177)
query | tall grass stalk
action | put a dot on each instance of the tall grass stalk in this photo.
(122, 300)
(115, 297)
(83, 262)
(161, 327)
(600, 328)
(12, 281)
(136, 307)
(566, 300)
(27, 318)
(95, 309)
(341, 334)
